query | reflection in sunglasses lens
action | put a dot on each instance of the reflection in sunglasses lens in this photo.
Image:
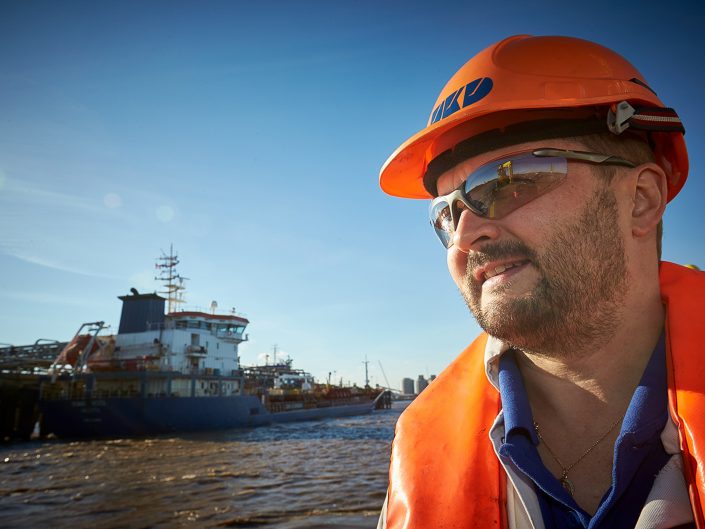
(496, 189)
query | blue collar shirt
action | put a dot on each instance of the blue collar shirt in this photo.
(638, 452)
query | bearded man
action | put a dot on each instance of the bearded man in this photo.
(550, 161)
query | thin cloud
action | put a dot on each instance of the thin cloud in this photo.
(45, 197)
(46, 298)
(49, 228)
(24, 255)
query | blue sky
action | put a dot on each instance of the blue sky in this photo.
(250, 135)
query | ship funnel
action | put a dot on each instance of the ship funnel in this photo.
(141, 312)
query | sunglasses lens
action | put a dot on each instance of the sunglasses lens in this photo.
(500, 187)
(442, 222)
(497, 188)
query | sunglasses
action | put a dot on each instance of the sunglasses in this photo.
(501, 186)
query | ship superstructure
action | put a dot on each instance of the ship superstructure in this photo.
(189, 342)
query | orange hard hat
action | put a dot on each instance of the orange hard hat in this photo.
(524, 79)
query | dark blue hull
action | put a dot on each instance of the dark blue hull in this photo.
(138, 416)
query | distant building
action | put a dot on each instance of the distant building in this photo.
(432, 378)
(407, 386)
(421, 384)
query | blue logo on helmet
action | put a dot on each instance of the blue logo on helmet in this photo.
(471, 93)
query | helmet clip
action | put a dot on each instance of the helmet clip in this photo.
(618, 121)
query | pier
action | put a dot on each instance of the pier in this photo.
(20, 370)
(383, 400)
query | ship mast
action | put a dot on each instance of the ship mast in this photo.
(173, 282)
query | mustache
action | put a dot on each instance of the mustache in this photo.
(499, 250)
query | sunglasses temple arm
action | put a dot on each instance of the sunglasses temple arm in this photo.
(596, 158)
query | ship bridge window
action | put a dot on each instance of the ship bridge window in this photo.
(231, 328)
(180, 324)
(194, 324)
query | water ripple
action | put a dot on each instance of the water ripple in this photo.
(315, 475)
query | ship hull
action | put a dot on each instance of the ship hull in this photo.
(138, 416)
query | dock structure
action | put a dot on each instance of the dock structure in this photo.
(384, 400)
(20, 370)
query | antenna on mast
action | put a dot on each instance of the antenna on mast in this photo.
(173, 282)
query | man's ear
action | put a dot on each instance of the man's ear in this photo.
(650, 194)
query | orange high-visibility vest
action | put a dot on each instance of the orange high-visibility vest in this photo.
(444, 473)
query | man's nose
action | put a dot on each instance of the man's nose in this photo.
(473, 230)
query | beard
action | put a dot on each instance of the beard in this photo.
(582, 285)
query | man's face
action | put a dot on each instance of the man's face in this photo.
(551, 276)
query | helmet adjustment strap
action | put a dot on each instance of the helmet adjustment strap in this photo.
(622, 116)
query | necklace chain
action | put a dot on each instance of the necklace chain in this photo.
(565, 482)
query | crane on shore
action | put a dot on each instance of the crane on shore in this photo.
(386, 380)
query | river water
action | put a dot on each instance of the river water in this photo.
(318, 474)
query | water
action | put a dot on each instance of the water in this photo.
(318, 474)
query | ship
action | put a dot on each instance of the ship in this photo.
(168, 370)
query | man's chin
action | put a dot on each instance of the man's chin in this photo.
(496, 312)
(499, 305)
(504, 320)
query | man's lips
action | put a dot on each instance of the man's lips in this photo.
(495, 268)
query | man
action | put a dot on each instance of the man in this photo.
(582, 405)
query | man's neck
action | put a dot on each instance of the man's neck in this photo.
(578, 398)
(595, 378)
